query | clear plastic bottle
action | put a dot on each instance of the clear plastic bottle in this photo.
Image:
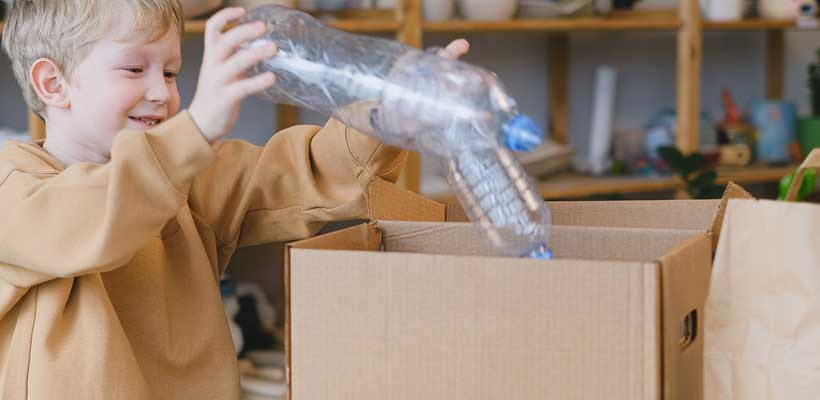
(449, 110)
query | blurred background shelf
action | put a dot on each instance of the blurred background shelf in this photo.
(406, 23)
(630, 21)
(197, 27)
(754, 24)
(621, 21)
(574, 186)
(194, 27)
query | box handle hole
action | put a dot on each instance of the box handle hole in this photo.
(688, 330)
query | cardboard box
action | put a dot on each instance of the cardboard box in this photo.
(415, 310)
(700, 215)
(401, 310)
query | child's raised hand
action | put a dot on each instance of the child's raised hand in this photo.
(456, 49)
(222, 82)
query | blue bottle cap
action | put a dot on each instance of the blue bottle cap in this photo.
(227, 288)
(522, 134)
(540, 252)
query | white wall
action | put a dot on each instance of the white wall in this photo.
(646, 62)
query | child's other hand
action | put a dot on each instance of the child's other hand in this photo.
(456, 49)
(222, 83)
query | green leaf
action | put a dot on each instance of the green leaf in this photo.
(673, 157)
(705, 179)
(693, 162)
(712, 192)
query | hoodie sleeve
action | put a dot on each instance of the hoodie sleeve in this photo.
(303, 177)
(93, 218)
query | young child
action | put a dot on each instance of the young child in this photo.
(115, 230)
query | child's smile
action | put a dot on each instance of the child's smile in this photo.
(145, 121)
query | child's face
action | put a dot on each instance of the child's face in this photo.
(127, 81)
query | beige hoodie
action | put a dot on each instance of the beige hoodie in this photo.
(109, 274)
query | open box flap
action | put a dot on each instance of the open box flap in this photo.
(568, 242)
(702, 215)
(685, 275)
(390, 202)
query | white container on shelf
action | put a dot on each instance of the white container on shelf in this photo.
(321, 5)
(251, 4)
(723, 10)
(783, 9)
(551, 9)
(438, 10)
(488, 10)
(603, 110)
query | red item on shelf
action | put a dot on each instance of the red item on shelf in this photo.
(730, 108)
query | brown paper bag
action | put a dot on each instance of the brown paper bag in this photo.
(762, 322)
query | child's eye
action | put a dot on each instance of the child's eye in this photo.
(170, 74)
(134, 70)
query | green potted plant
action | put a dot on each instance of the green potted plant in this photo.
(808, 129)
(695, 173)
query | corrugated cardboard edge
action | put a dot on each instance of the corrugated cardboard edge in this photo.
(696, 215)
(288, 335)
(389, 202)
(359, 237)
(685, 275)
(653, 345)
(455, 213)
(733, 191)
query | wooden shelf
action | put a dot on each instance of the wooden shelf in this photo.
(629, 21)
(365, 26)
(626, 21)
(573, 185)
(752, 24)
(655, 22)
(197, 27)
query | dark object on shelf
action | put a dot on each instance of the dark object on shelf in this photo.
(695, 173)
(624, 4)
(808, 134)
(255, 336)
(814, 84)
(808, 128)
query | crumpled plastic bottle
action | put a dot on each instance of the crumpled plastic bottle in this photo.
(448, 110)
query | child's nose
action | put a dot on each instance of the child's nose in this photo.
(158, 92)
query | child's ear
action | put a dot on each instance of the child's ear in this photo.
(49, 83)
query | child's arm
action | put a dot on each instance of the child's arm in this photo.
(304, 176)
(93, 218)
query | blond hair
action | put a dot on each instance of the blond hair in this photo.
(65, 30)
